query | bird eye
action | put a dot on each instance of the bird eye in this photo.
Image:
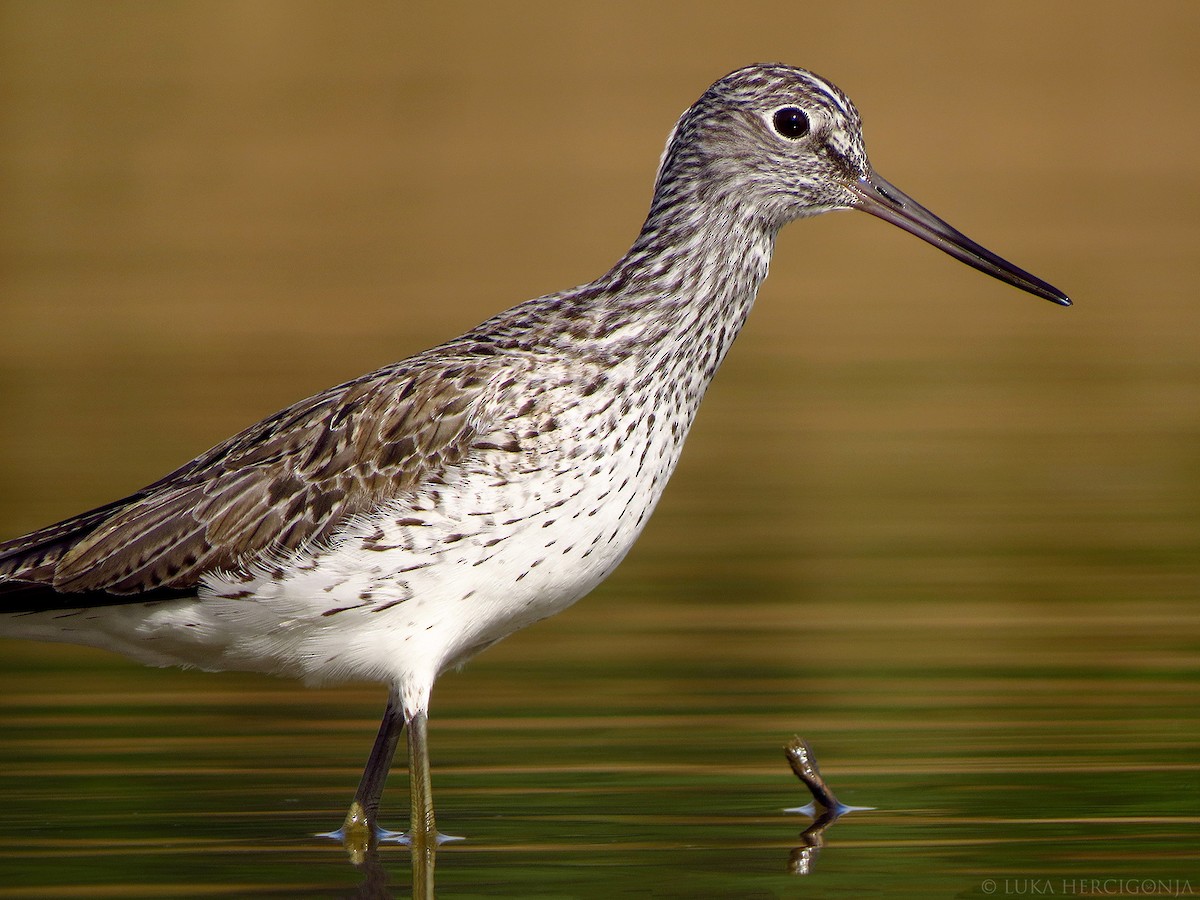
(791, 122)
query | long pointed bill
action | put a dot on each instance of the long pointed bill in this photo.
(876, 196)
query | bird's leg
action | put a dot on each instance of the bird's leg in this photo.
(365, 808)
(422, 830)
(423, 838)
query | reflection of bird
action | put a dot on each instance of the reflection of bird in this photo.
(393, 526)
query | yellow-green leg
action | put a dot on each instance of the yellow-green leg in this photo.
(421, 823)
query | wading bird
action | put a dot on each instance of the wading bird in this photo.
(392, 527)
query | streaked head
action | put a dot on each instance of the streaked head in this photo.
(785, 143)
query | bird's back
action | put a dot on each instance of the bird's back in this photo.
(286, 482)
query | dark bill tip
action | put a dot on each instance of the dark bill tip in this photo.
(880, 198)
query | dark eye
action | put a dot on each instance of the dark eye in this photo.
(791, 122)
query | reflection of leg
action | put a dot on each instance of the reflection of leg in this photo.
(365, 808)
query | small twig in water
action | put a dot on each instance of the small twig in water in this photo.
(804, 763)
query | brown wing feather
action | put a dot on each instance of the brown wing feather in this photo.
(289, 480)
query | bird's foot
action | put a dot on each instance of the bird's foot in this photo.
(360, 834)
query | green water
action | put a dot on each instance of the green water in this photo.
(577, 762)
(946, 532)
